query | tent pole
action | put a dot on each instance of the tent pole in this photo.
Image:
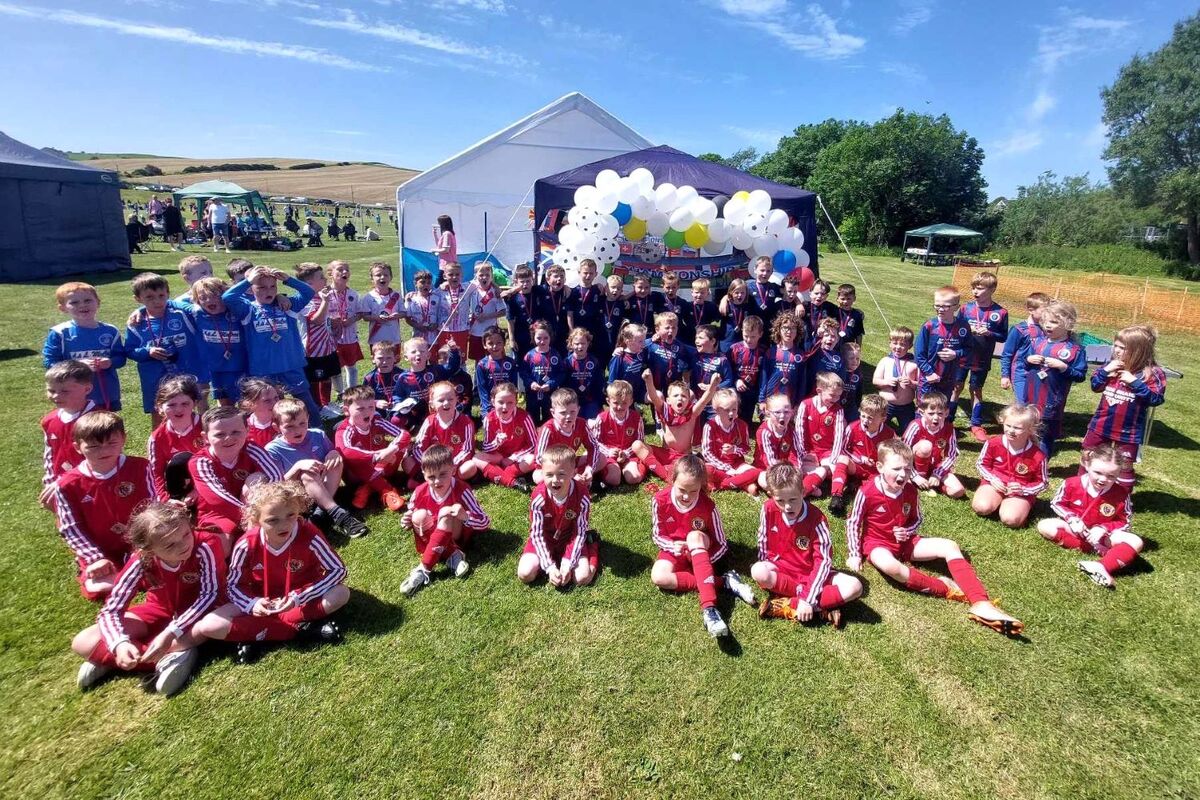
(870, 291)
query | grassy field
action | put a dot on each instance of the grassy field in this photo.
(487, 688)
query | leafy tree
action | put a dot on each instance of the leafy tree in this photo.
(1152, 111)
(743, 159)
(1072, 212)
(795, 159)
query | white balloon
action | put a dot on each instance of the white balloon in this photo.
(644, 178)
(606, 179)
(704, 210)
(735, 211)
(607, 227)
(766, 245)
(686, 194)
(718, 231)
(754, 224)
(802, 259)
(607, 252)
(740, 239)
(777, 221)
(681, 218)
(628, 190)
(657, 223)
(793, 239)
(569, 235)
(572, 275)
(606, 202)
(577, 215)
(712, 246)
(650, 252)
(586, 196)
(665, 199)
(642, 207)
(586, 245)
(759, 201)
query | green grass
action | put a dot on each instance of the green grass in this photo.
(488, 688)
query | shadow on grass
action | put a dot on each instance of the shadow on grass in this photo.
(1166, 437)
(16, 352)
(621, 561)
(368, 615)
(492, 546)
(1165, 503)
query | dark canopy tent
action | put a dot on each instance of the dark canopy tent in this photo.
(228, 192)
(939, 230)
(57, 217)
(672, 166)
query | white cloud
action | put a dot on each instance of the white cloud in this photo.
(1075, 34)
(149, 30)
(1018, 143)
(597, 42)
(1041, 105)
(757, 136)
(1096, 139)
(905, 72)
(812, 32)
(417, 38)
(913, 13)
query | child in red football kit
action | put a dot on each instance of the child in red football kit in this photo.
(934, 446)
(68, 384)
(447, 426)
(1012, 468)
(284, 578)
(795, 559)
(883, 525)
(509, 440)
(443, 516)
(372, 449)
(560, 543)
(616, 430)
(861, 450)
(1095, 512)
(724, 445)
(224, 471)
(259, 396)
(821, 431)
(676, 423)
(95, 500)
(565, 428)
(687, 529)
(183, 574)
(177, 438)
(776, 442)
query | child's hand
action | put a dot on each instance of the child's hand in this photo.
(1035, 359)
(901, 534)
(726, 449)
(1114, 366)
(1076, 526)
(135, 318)
(501, 437)
(45, 495)
(741, 385)
(406, 519)
(853, 563)
(998, 486)
(325, 293)
(922, 483)
(934, 482)
(586, 475)
(98, 364)
(804, 612)
(160, 354)
(263, 607)
(99, 569)
(282, 604)
(677, 548)
(947, 354)
(157, 647)
(127, 655)
(1055, 363)
(714, 381)
(283, 303)
(1127, 377)
(646, 376)
(1005, 384)
(1014, 489)
(333, 460)
(1096, 535)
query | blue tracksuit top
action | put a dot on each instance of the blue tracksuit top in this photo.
(273, 342)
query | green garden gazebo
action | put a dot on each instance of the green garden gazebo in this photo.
(940, 230)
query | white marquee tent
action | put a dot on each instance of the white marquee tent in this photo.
(490, 183)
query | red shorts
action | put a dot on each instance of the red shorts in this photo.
(443, 338)
(421, 539)
(901, 550)
(475, 349)
(563, 549)
(800, 578)
(665, 454)
(349, 354)
(681, 562)
(154, 614)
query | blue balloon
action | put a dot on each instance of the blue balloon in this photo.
(784, 261)
(624, 213)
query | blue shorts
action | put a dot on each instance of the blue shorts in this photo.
(978, 378)
(225, 386)
(221, 229)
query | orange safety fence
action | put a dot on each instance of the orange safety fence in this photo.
(1103, 301)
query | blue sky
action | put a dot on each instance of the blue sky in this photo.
(411, 83)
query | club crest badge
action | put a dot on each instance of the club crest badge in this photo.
(377, 439)
(827, 420)
(124, 489)
(994, 316)
(569, 514)
(1107, 509)
(295, 565)
(802, 542)
(190, 577)
(629, 431)
(455, 439)
(240, 474)
(907, 508)
(697, 523)
(1022, 469)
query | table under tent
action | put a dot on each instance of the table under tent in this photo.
(941, 230)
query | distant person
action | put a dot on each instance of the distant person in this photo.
(371, 235)
(445, 243)
(155, 208)
(348, 230)
(135, 233)
(172, 221)
(218, 217)
(334, 230)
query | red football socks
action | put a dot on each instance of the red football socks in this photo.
(312, 610)
(964, 575)
(923, 465)
(784, 585)
(511, 473)
(813, 481)
(493, 473)
(1120, 556)
(441, 545)
(840, 476)
(743, 479)
(1064, 538)
(706, 583)
(247, 628)
(831, 597)
(685, 582)
(925, 584)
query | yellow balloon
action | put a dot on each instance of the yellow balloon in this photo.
(696, 235)
(635, 229)
(742, 195)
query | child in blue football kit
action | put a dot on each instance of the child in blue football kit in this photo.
(162, 341)
(989, 324)
(84, 338)
(942, 346)
(222, 339)
(275, 349)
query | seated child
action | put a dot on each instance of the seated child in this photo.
(259, 396)
(95, 500)
(725, 444)
(676, 414)
(1095, 515)
(444, 515)
(795, 558)
(564, 428)
(509, 439)
(934, 446)
(686, 527)
(583, 373)
(373, 449)
(284, 578)
(182, 573)
(896, 377)
(887, 512)
(821, 431)
(1012, 468)
(224, 471)
(629, 361)
(616, 430)
(305, 455)
(84, 338)
(382, 379)
(861, 450)
(496, 367)
(177, 439)
(560, 543)
(68, 384)
(776, 442)
(449, 427)
(746, 357)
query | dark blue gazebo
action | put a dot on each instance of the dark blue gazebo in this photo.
(672, 166)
